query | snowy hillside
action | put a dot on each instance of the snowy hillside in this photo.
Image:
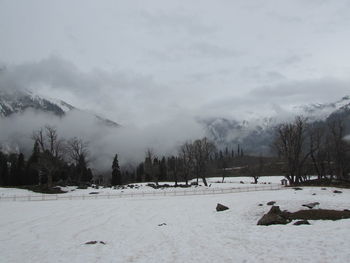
(20, 100)
(256, 133)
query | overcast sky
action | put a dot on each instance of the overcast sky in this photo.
(145, 62)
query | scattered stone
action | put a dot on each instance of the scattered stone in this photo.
(323, 188)
(260, 204)
(221, 207)
(273, 217)
(301, 222)
(337, 192)
(91, 243)
(241, 182)
(163, 224)
(297, 188)
(93, 193)
(271, 203)
(314, 194)
(311, 205)
(95, 242)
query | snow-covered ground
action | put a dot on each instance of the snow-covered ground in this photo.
(214, 183)
(194, 231)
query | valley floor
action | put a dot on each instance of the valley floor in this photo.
(173, 229)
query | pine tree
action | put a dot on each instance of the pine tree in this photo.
(32, 171)
(162, 170)
(116, 174)
(4, 175)
(20, 170)
(139, 172)
(85, 174)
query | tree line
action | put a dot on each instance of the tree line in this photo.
(302, 148)
(53, 159)
(316, 148)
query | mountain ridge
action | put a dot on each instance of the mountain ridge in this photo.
(18, 101)
(256, 134)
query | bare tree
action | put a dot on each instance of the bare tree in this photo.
(318, 149)
(48, 141)
(51, 150)
(339, 148)
(186, 153)
(78, 149)
(203, 151)
(290, 145)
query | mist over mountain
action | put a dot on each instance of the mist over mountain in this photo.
(18, 101)
(256, 135)
(23, 111)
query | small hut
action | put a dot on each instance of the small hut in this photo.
(284, 182)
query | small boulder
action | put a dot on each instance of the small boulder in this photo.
(260, 204)
(271, 203)
(95, 242)
(94, 193)
(311, 205)
(337, 192)
(91, 243)
(301, 222)
(314, 194)
(221, 207)
(297, 188)
(273, 217)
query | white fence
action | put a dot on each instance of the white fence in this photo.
(184, 192)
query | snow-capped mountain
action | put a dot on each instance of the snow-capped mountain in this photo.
(256, 134)
(321, 111)
(12, 102)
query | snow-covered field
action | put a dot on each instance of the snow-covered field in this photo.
(55, 231)
(214, 183)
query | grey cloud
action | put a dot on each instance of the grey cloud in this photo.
(198, 50)
(279, 100)
(96, 90)
(301, 91)
(170, 22)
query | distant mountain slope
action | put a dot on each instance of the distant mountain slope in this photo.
(256, 135)
(19, 101)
